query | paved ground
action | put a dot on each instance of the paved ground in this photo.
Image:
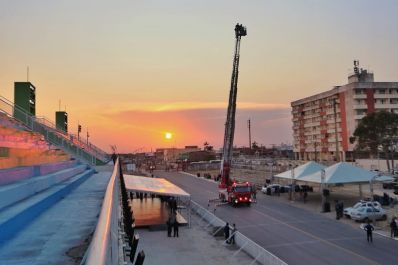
(296, 235)
(348, 194)
(60, 235)
(195, 246)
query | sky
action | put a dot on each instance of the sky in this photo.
(130, 70)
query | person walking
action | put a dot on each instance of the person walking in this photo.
(369, 229)
(393, 226)
(175, 226)
(226, 232)
(234, 230)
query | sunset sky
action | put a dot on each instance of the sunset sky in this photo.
(132, 70)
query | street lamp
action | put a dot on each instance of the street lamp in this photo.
(292, 193)
(371, 196)
(323, 173)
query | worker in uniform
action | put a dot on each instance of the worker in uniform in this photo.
(369, 229)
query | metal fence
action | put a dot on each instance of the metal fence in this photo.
(104, 247)
(68, 142)
(258, 253)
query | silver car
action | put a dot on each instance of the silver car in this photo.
(366, 213)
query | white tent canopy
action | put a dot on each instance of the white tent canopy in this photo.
(344, 173)
(301, 171)
(158, 186)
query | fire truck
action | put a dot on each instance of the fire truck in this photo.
(232, 191)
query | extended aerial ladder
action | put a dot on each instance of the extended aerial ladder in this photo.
(225, 182)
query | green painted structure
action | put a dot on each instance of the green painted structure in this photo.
(24, 99)
(61, 120)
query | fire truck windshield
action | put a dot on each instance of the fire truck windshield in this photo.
(242, 189)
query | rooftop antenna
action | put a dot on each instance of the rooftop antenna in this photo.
(27, 74)
(59, 105)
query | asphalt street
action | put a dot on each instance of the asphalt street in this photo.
(295, 235)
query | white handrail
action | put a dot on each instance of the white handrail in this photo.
(104, 246)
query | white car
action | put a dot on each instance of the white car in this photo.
(366, 213)
(272, 188)
(348, 211)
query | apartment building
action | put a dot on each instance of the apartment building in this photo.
(323, 123)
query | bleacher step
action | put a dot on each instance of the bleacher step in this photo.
(14, 219)
(15, 192)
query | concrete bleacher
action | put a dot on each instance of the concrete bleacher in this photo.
(27, 197)
(21, 147)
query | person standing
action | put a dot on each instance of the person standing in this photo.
(234, 230)
(393, 226)
(305, 196)
(226, 232)
(337, 209)
(254, 193)
(175, 226)
(168, 223)
(369, 229)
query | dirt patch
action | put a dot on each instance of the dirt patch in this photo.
(77, 253)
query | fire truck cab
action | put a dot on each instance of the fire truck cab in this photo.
(237, 193)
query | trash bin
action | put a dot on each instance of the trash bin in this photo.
(326, 207)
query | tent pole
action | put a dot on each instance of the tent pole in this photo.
(189, 212)
(360, 191)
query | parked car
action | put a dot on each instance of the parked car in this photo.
(390, 184)
(271, 189)
(348, 211)
(365, 213)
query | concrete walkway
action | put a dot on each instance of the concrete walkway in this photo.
(194, 246)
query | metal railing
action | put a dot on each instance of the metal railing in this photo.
(68, 142)
(104, 246)
(258, 253)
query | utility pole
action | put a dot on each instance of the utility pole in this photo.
(250, 134)
(79, 130)
(335, 130)
(87, 137)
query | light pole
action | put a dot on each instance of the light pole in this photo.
(322, 188)
(292, 193)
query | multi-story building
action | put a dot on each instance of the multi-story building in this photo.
(317, 118)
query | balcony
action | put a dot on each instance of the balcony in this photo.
(385, 106)
(359, 96)
(360, 106)
(359, 117)
(376, 95)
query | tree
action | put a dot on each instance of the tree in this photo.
(255, 145)
(377, 130)
(207, 147)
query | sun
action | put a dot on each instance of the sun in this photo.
(168, 135)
